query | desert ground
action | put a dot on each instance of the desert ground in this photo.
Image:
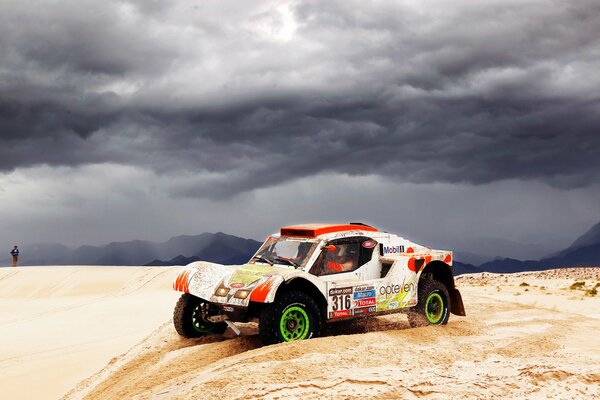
(105, 333)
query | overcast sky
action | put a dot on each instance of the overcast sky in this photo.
(446, 121)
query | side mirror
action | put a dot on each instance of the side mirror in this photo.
(330, 248)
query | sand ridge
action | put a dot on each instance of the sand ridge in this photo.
(530, 335)
(506, 347)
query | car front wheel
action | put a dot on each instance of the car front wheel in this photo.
(293, 316)
(189, 318)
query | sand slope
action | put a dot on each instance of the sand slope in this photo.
(58, 325)
(537, 340)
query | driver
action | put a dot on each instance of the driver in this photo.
(342, 260)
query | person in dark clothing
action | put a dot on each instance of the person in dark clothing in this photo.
(15, 254)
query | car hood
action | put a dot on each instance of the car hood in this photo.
(204, 278)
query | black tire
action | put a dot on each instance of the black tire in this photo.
(433, 307)
(188, 321)
(298, 309)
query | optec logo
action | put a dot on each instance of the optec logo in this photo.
(393, 249)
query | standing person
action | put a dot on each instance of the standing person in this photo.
(15, 253)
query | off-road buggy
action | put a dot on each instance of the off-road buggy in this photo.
(308, 275)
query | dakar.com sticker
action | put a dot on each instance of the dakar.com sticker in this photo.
(340, 302)
(348, 301)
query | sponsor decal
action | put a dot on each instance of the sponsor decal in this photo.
(366, 302)
(369, 244)
(340, 299)
(227, 308)
(353, 301)
(365, 298)
(364, 294)
(249, 274)
(341, 302)
(394, 296)
(395, 289)
(393, 249)
(339, 314)
(364, 310)
(338, 291)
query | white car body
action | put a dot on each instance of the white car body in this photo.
(387, 282)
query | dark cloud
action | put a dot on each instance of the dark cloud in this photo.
(81, 41)
(236, 97)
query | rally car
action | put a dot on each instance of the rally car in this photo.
(308, 275)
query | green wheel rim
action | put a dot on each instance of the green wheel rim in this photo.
(294, 324)
(198, 323)
(434, 308)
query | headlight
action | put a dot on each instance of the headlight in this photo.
(222, 291)
(241, 294)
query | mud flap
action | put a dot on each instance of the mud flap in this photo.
(456, 303)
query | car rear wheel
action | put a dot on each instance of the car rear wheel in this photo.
(189, 318)
(433, 307)
(293, 316)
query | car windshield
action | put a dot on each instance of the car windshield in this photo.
(285, 251)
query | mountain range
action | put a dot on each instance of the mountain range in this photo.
(228, 249)
(479, 250)
(585, 251)
(180, 250)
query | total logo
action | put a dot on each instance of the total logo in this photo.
(393, 249)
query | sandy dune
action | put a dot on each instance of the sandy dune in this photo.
(526, 336)
(59, 325)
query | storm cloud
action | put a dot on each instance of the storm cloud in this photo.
(240, 96)
(447, 122)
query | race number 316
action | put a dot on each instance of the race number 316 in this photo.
(341, 302)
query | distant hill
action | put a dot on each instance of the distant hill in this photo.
(228, 249)
(459, 268)
(589, 238)
(492, 247)
(586, 241)
(215, 247)
(222, 249)
(469, 258)
(585, 251)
